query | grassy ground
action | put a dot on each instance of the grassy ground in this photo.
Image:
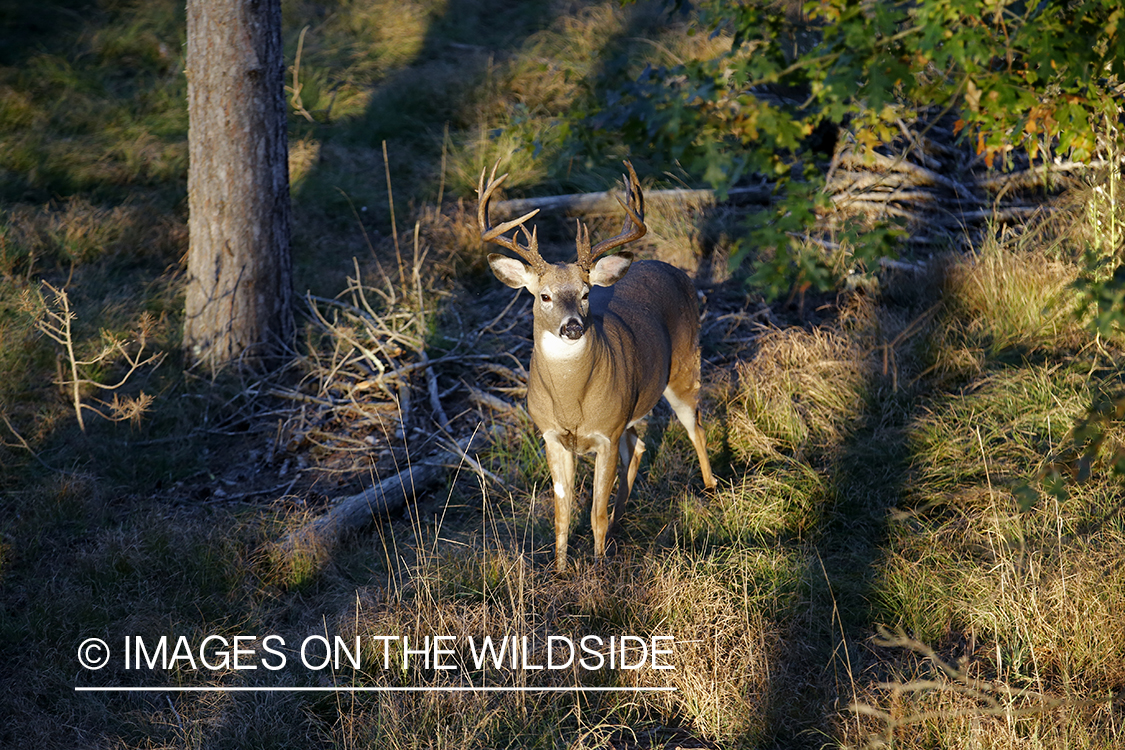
(868, 571)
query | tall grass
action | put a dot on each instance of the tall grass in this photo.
(1018, 599)
(869, 455)
(1013, 297)
(803, 392)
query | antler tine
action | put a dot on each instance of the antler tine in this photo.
(495, 235)
(582, 240)
(634, 227)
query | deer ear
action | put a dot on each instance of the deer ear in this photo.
(512, 272)
(610, 268)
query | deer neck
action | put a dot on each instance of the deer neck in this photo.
(561, 372)
(568, 358)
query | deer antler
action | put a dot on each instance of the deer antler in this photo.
(488, 233)
(633, 229)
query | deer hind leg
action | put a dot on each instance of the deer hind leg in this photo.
(562, 463)
(685, 402)
(630, 448)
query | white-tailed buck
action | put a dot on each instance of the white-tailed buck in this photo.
(611, 337)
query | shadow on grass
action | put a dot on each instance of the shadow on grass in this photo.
(822, 650)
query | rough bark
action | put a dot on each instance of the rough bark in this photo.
(239, 287)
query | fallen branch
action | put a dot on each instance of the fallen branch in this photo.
(481, 398)
(606, 203)
(432, 390)
(897, 265)
(1036, 176)
(921, 175)
(352, 514)
(905, 196)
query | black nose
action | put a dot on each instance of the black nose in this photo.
(572, 330)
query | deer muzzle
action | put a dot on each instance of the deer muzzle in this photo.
(572, 329)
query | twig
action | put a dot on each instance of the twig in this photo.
(432, 388)
(473, 463)
(24, 444)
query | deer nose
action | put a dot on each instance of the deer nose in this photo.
(572, 329)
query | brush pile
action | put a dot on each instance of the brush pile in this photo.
(932, 179)
(929, 178)
(381, 391)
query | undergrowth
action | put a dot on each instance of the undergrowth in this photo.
(869, 572)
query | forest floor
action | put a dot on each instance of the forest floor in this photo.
(884, 561)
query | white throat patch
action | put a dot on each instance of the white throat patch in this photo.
(555, 347)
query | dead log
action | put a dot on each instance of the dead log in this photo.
(920, 175)
(606, 203)
(350, 515)
(1036, 176)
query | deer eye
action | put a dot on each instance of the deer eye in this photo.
(545, 296)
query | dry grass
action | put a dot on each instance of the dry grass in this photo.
(935, 698)
(869, 454)
(1011, 297)
(77, 232)
(804, 391)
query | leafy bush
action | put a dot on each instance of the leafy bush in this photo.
(1042, 77)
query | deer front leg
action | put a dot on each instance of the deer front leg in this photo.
(605, 471)
(562, 465)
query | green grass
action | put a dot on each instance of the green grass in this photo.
(870, 463)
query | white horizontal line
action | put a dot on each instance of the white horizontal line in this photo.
(347, 689)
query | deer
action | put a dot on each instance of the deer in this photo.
(611, 336)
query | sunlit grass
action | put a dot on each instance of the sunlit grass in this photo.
(1024, 596)
(1014, 297)
(868, 463)
(803, 392)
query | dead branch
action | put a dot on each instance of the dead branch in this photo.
(55, 319)
(435, 398)
(921, 175)
(487, 400)
(350, 515)
(505, 372)
(606, 203)
(905, 196)
(1035, 176)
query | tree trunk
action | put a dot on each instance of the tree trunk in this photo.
(239, 287)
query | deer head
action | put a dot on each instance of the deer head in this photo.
(561, 290)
